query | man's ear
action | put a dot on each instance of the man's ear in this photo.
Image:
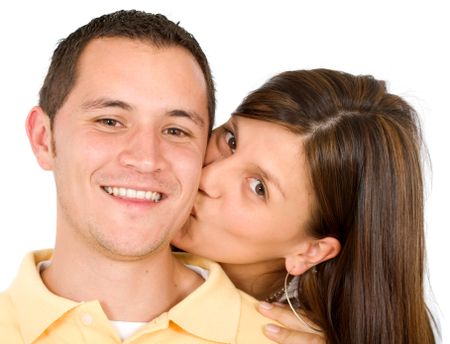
(39, 133)
(316, 252)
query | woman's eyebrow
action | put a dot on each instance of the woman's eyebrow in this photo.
(272, 179)
(234, 123)
(265, 173)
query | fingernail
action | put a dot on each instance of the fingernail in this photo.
(265, 305)
(272, 328)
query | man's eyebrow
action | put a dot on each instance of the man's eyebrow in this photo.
(193, 116)
(102, 103)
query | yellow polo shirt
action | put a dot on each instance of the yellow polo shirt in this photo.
(216, 312)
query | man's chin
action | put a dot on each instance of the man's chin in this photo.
(127, 251)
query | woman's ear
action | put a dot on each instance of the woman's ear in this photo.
(316, 252)
(39, 133)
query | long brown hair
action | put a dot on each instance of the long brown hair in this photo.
(363, 150)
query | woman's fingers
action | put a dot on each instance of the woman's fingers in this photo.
(283, 314)
(295, 332)
(287, 336)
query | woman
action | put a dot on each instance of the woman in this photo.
(318, 174)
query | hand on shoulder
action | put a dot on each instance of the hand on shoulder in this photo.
(294, 331)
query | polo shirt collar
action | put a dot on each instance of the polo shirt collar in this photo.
(29, 289)
(217, 300)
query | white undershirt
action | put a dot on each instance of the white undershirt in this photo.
(126, 329)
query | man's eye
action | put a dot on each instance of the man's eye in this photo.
(109, 122)
(230, 139)
(175, 132)
(257, 187)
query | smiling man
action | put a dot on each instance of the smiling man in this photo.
(123, 121)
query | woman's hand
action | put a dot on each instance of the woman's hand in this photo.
(294, 332)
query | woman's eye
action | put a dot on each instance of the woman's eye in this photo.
(257, 187)
(230, 139)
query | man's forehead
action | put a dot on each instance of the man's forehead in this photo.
(180, 69)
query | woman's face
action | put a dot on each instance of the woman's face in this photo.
(255, 195)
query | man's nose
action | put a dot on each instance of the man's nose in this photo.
(143, 151)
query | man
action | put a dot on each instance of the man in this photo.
(123, 121)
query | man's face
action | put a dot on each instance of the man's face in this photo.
(129, 146)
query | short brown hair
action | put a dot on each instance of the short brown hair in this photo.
(132, 24)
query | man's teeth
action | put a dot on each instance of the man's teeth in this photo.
(131, 193)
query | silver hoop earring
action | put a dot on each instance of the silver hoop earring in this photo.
(298, 316)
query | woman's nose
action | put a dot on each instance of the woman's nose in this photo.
(212, 179)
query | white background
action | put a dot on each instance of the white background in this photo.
(403, 42)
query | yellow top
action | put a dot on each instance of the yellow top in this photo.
(216, 312)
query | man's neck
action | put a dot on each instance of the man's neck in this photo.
(138, 290)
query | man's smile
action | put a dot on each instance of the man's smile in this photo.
(133, 193)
